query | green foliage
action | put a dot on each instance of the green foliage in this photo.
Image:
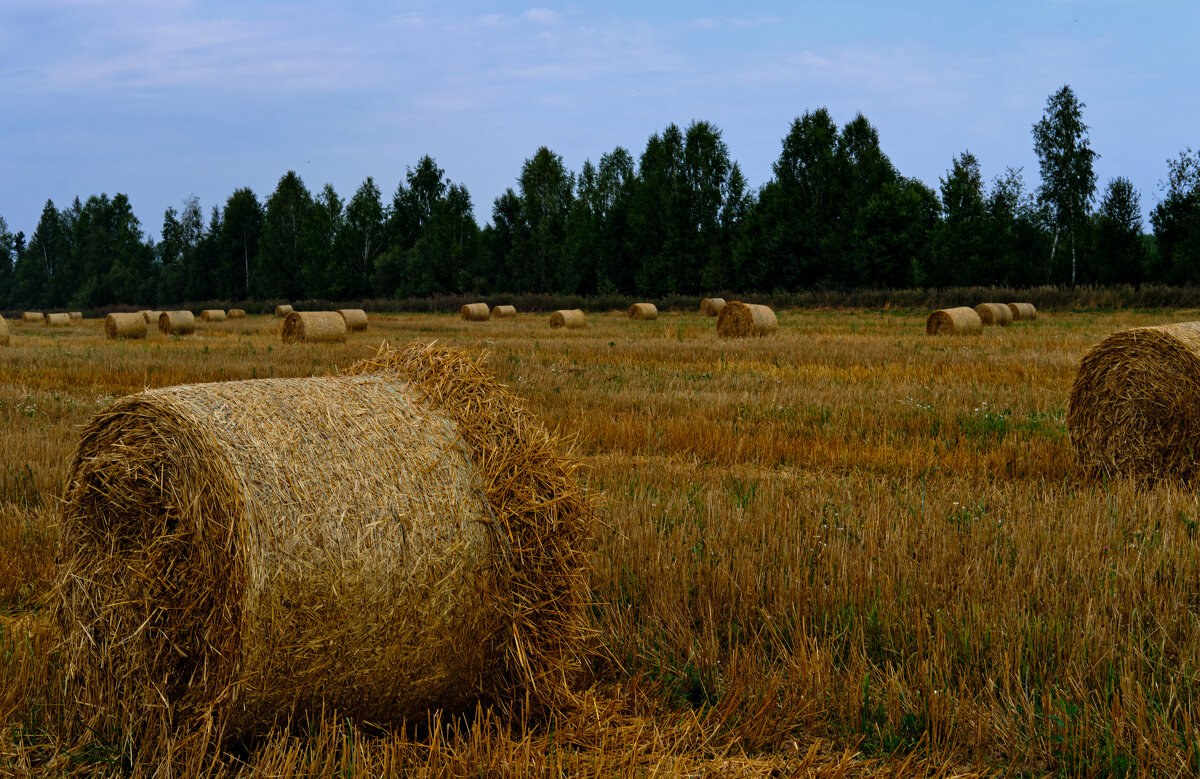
(1065, 156)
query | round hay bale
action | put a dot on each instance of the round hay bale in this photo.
(356, 319)
(314, 327)
(954, 321)
(151, 317)
(504, 312)
(1023, 312)
(236, 313)
(739, 320)
(3, 331)
(643, 311)
(572, 318)
(476, 312)
(395, 540)
(33, 317)
(58, 320)
(994, 314)
(177, 323)
(76, 316)
(1134, 409)
(118, 325)
(712, 306)
(283, 310)
(212, 315)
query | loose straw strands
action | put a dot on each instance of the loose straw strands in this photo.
(954, 321)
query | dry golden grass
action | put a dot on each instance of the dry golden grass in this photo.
(845, 550)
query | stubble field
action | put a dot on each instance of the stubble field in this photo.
(847, 549)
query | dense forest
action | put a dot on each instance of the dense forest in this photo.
(678, 219)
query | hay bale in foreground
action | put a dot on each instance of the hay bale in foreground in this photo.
(504, 312)
(58, 320)
(314, 327)
(151, 317)
(963, 320)
(3, 331)
(740, 320)
(1134, 408)
(356, 319)
(177, 323)
(212, 315)
(33, 317)
(76, 316)
(1023, 312)
(994, 314)
(118, 325)
(476, 312)
(712, 306)
(643, 311)
(383, 543)
(283, 310)
(236, 313)
(571, 318)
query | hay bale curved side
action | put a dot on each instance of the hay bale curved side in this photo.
(1134, 408)
(643, 311)
(4, 336)
(741, 320)
(314, 327)
(504, 312)
(151, 317)
(712, 306)
(177, 323)
(236, 313)
(994, 314)
(962, 320)
(212, 315)
(58, 320)
(118, 325)
(283, 310)
(355, 318)
(570, 318)
(1023, 312)
(32, 317)
(475, 312)
(76, 316)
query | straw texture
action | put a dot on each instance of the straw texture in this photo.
(712, 306)
(58, 320)
(954, 321)
(643, 311)
(740, 320)
(314, 327)
(33, 317)
(572, 318)
(1023, 312)
(476, 312)
(151, 317)
(355, 318)
(383, 543)
(119, 325)
(76, 316)
(236, 313)
(3, 331)
(212, 315)
(994, 314)
(177, 323)
(283, 310)
(1134, 408)
(504, 312)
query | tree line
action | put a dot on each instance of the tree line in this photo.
(678, 219)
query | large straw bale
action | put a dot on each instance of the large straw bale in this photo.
(1134, 408)
(283, 310)
(314, 327)
(3, 331)
(151, 317)
(33, 317)
(643, 311)
(76, 316)
(1023, 312)
(213, 315)
(476, 312)
(119, 325)
(236, 313)
(58, 320)
(739, 320)
(994, 314)
(963, 320)
(356, 319)
(712, 306)
(570, 318)
(177, 323)
(504, 312)
(395, 540)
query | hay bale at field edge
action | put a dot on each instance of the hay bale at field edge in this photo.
(314, 327)
(177, 323)
(58, 320)
(504, 312)
(283, 310)
(742, 320)
(712, 306)
(356, 319)
(121, 325)
(962, 320)
(151, 317)
(236, 313)
(643, 311)
(1023, 312)
(76, 316)
(33, 317)
(572, 318)
(212, 315)
(3, 331)
(475, 312)
(994, 314)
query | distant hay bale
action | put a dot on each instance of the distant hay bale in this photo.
(236, 313)
(712, 306)
(741, 320)
(3, 331)
(314, 327)
(151, 317)
(643, 311)
(177, 323)
(504, 312)
(1134, 408)
(76, 316)
(1023, 312)
(994, 314)
(58, 320)
(356, 319)
(570, 318)
(283, 310)
(212, 315)
(963, 320)
(119, 325)
(400, 539)
(475, 312)
(33, 317)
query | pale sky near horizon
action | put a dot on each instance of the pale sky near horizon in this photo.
(163, 99)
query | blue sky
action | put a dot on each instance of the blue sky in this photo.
(163, 99)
